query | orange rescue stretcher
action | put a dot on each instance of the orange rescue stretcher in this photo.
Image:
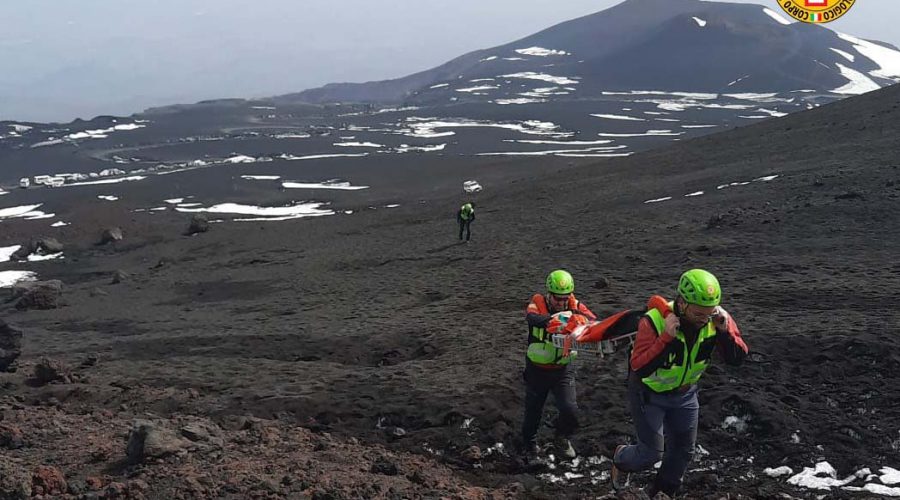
(574, 332)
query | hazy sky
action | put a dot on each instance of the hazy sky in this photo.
(61, 59)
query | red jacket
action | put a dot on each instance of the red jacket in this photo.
(650, 349)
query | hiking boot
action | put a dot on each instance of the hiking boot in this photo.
(618, 477)
(564, 447)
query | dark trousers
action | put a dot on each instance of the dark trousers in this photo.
(666, 426)
(464, 224)
(538, 383)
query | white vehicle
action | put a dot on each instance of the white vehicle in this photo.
(55, 181)
(24, 182)
(471, 186)
(41, 179)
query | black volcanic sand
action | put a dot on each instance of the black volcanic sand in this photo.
(362, 324)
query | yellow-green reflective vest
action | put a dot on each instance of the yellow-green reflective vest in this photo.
(681, 368)
(466, 211)
(541, 350)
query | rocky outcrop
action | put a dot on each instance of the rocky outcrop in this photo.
(37, 294)
(199, 224)
(150, 440)
(49, 370)
(111, 235)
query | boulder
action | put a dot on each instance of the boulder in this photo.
(203, 433)
(90, 360)
(602, 283)
(22, 253)
(51, 370)
(47, 246)
(111, 235)
(10, 346)
(11, 437)
(37, 294)
(149, 440)
(47, 480)
(385, 466)
(199, 224)
(120, 276)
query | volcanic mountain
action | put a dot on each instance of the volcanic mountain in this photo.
(636, 76)
(648, 45)
(365, 353)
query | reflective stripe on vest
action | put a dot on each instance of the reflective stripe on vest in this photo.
(672, 376)
(541, 350)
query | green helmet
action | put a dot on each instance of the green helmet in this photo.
(560, 282)
(700, 287)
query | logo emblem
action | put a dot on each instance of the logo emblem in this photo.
(816, 11)
(710, 290)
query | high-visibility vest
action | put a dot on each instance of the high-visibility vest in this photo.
(682, 367)
(541, 350)
(466, 211)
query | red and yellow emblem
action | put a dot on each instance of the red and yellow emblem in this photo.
(816, 11)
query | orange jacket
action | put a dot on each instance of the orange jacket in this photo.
(538, 313)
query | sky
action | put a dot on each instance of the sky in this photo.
(61, 59)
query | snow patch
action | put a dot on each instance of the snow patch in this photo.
(290, 157)
(240, 159)
(739, 424)
(406, 148)
(427, 127)
(619, 117)
(21, 211)
(845, 55)
(778, 472)
(821, 477)
(293, 211)
(890, 475)
(776, 16)
(858, 82)
(519, 100)
(107, 181)
(329, 184)
(649, 133)
(358, 145)
(887, 59)
(10, 278)
(531, 75)
(541, 52)
(477, 89)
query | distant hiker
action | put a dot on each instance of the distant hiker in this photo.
(547, 369)
(465, 216)
(673, 347)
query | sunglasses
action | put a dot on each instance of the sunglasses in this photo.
(700, 316)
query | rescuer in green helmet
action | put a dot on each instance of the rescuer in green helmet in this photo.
(547, 368)
(672, 349)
